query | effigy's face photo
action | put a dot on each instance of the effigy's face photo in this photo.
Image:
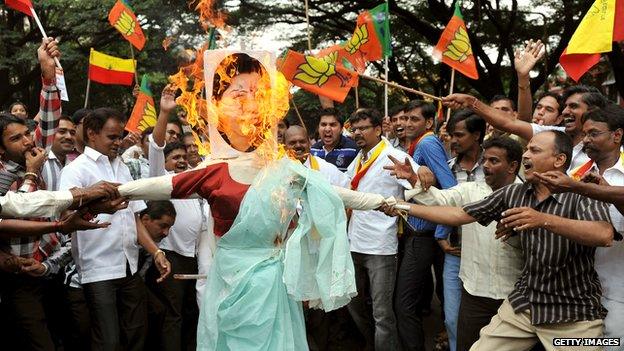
(238, 108)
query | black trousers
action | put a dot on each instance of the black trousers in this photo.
(118, 313)
(180, 299)
(23, 313)
(414, 287)
(475, 312)
(78, 332)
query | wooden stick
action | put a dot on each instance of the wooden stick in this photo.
(386, 88)
(87, 92)
(395, 85)
(136, 78)
(357, 98)
(43, 33)
(189, 276)
(308, 27)
(298, 114)
(448, 111)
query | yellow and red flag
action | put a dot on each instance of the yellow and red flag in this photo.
(23, 6)
(319, 76)
(124, 20)
(108, 69)
(144, 112)
(602, 25)
(454, 48)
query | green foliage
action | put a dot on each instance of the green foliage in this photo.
(80, 25)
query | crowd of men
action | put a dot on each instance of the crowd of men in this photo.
(514, 220)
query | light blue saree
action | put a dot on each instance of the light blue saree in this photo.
(258, 279)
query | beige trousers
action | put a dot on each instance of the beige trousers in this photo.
(514, 332)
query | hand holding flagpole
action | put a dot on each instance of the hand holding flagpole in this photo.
(43, 33)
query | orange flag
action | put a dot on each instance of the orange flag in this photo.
(123, 19)
(341, 57)
(318, 76)
(454, 48)
(144, 113)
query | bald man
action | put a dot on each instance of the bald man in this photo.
(296, 140)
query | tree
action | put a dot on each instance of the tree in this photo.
(80, 25)
(495, 31)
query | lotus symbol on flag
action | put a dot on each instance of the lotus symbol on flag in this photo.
(459, 48)
(331, 58)
(315, 71)
(125, 24)
(360, 37)
(149, 117)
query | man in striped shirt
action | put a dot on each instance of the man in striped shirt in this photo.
(558, 292)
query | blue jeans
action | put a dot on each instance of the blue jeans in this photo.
(375, 275)
(452, 297)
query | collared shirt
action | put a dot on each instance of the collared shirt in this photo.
(191, 214)
(330, 172)
(372, 232)
(102, 254)
(430, 152)
(463, 175)
(341, 156)
(579, 157)
(489, 267)
(396, 143)
(558, 283)
(49, 113)
(609, 261)
(51, 171)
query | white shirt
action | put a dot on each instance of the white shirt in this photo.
(330, 172)
(578, 156)
(51, 171)
(372, 232)
(101, 254)
(191, 215)
(489, 267)
(609, 261)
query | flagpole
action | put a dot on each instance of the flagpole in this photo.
(448, 111)
(308, 27)
(357, 98)
(87, 92)
(43, 33)
(136, 78)
(386, 87)
(395, 85)
(297, 112)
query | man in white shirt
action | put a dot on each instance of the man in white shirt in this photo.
(296, 140)
(578, 99)
(372, 234)
(489, 267)
(190, 232)
(107, 259)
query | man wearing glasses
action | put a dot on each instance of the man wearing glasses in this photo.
(372, 234)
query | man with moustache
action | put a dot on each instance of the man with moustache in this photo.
(296, 140)
(578, 99)
(489, 267)
(397, 121)
(557, 231)
(372, 234)
(333, 147)
(107, 259)
(602, 130)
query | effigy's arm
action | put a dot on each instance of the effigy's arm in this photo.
(362, 201)
(156, 188)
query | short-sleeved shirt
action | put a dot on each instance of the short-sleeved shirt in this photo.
(558, 283)
(341, 156)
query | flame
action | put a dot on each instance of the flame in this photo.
(209, 16)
